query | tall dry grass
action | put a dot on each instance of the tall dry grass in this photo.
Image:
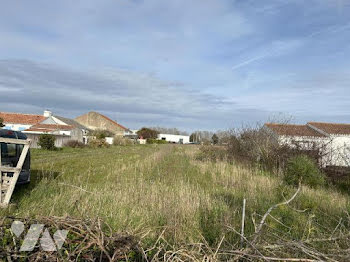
(164, 195)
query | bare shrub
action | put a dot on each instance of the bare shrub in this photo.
(102, 133)
(121, 141)
(212, 153)
(257, 146)
(251, 146)
(75, 144)
(98, 143)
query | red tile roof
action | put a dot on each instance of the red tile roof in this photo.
(49, 128)
(16, 118)
(332, 128)
(293, 130)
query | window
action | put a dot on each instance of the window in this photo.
(20, 149)
(8, 150)
(11, 150)
(10, 154)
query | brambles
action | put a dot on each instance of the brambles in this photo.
(47, 141)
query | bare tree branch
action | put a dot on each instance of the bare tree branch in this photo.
(262, 222)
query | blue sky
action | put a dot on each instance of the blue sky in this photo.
(200, 64)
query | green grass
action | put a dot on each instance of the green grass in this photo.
(146, 189)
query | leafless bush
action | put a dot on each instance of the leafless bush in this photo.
(172, 130)
(212, 153)
(120, 141)
(258, 146)
(98, 143)
(75, 144)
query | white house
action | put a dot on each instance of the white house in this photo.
(333, 140)
(20, 122)
(338, 147)
(179, 139)
(33, 126)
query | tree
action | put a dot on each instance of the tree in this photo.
(147, 133)
(102, 134)
(224, 136)
(47, 141)
(172, 131)
(215, 139)
(192, 137)
(202, 136)
(1, 123)
(303, 169)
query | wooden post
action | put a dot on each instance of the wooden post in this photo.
(243, 223)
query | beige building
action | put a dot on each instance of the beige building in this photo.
(95, 121)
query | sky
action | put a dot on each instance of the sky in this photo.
(199, 64)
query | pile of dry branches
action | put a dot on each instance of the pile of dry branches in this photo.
(87, 240)
(265, 244)
(93, 240)
(334, 245)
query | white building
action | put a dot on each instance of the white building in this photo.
(33, 126)
(179, 139)
(20, 122)
(338, 147)
(333, 140)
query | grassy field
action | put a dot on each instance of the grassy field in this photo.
(162, 191)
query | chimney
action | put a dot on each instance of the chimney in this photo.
(47, 113)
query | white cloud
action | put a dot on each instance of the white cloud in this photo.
(118, 92)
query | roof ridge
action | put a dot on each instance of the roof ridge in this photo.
(328, 123)
(51, 126)
(294, 130)
(280, 124)
(109, 119)
(14, 113)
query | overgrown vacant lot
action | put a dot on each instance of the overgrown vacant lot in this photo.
(167, 198)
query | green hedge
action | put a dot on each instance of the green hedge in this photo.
(47, 141)
(155, 141)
